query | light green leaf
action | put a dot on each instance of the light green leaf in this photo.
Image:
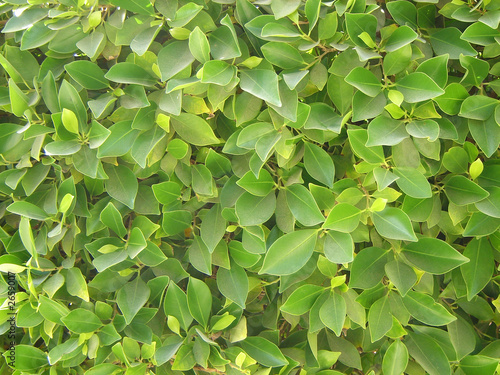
(395, 359)
(252, 210)
(131, 297)
(81, 321)
(343, 217)
(394, 223)
(126, 72)
(423, 308)
(379, 318)
(302, 299)
(233, 284)
(261, 83)
(282, 55)
(194, 129)
(417, 87)
(199, 299)
(368, 268)
(319, 164)
(401, 275)
(303, 206)
(263, 351)
(87, 74)
(478, 271)
(122, 185)
(433, 255)
(333, 312)
(365, 81)
(289, 253)
(112, 218)
(413, 183)
(461, 191)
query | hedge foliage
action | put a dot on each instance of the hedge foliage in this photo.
(276, 187)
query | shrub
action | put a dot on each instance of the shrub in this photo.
(276, 187)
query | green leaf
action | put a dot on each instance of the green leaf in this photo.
(261, 83)
(76, 285)
(233, 284)
(462, 337)
(184, 359)
(136, 6)
(433, 255)
(213, 227)
(333, 312)
(302, 299)
(199, 299)
(28, 210)
(176, 304)
(428, 354)
(448, 41)
(131, 297)
(202, 182)
(451, 101)
(185, 14)
(136, 242)
(174, 58)
(290, 252)
(401, 37)
(478, 271)
(343, 217)
(175, 222)
(261, 186)
(480, 33)
(413, 183)
(263, 351)
(490, 205)
(357, 23)
(193, 129)
(478, 364)
(87, 74)
(417, 87)
(394, 223)
(401, 275)
(81, 321)
(456, 160)
(379, 318)
(368, 268)
(112, 218)
(252, 210)
(365, 81)
(120, 141)
(217, 72)
(395, 359)
(423, 308)
(319, 164)
(358, 139)
(28, 358)
(126, 72)
(423, 129)
(122, 185)
(167, 192)
(282, 8)
(282, 55)
(385, 131)
(461, 191)
(339, 247)
(404, 13)
(303, 206)
(478, 107)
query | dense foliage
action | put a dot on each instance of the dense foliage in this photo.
(234, 187)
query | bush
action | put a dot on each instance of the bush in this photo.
(276, 187)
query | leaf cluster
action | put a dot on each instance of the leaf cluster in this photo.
(250, 187)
